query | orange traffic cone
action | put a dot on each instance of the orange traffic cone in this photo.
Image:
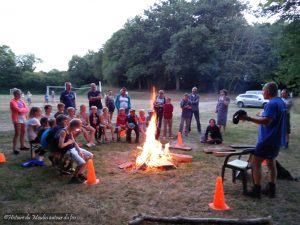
(91, 176)
(123, 133)
(219, 200)
(179, 140)
(2, 158)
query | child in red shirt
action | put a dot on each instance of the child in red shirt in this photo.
(168, 116)
(121, 123)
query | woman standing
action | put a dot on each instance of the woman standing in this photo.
(18, 110)
(222, 109)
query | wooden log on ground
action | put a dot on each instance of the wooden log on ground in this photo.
(141, 218)
(180, 147)
(222, 154)
(216, 149)
(125, 165)
(179, 158)
(241, 146)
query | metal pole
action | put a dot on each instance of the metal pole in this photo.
(100, 87)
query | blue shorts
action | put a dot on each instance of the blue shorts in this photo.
(266, 151)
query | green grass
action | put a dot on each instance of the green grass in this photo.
(121, 194)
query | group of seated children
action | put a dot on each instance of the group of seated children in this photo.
(58, 136)
(57, 133)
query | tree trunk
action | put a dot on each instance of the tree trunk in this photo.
(177, 77)
(140, 84)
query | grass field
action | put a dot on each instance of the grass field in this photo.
(121, 194)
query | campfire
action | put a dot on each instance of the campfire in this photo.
(153, 154)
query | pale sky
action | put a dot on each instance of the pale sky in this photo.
(54, 30)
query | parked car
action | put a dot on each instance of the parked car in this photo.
(253, 100)
(257, 92)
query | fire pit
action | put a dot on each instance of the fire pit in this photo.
(153, 155)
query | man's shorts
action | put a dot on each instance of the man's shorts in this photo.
(266, 151)
(73, 153)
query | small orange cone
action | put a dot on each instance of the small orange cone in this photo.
(123, 133)
(219, 200)
(2, 158)
(179, 139)
(91, 176)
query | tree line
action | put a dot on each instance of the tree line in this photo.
(178, 44)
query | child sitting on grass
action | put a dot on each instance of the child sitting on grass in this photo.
(48, 112)
(60, 110)
(33, 125)
(212, 134)
(68, 145)
(121, 123)
(132, 124)
(106, 124)
(150, 114)
(87, 129)
(95, 123)
(71, 113)
(142, 121)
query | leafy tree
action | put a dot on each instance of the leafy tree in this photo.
(8, 71)
(288, 73)
(27, 62)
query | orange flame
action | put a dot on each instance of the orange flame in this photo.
(153, 155)
(153, 96)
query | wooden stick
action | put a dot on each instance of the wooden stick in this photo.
(140, 218)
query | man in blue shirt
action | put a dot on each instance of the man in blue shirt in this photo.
(68, 97)
(271, 136)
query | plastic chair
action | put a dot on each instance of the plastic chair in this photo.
(238, 165)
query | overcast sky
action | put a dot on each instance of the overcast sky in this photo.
(54, 30)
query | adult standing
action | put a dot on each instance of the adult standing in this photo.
(194, 98)
(159, 102)
(110, 103)
(19, 112)
(271, 136)
(222, 109)
(53, 96)
(123, 101)
(288, 102)
(95, 97)
(68, 97)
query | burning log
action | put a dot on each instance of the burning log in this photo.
(141, 218)
(153, 155)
